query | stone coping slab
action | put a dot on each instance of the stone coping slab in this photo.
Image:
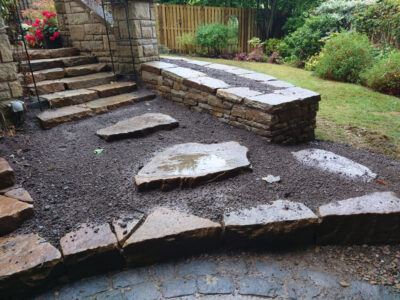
(237, 94)
(219, 67)
(206, 84)
(7, 177)
(268, 102)
(13, 213)
(138, 126)
(180, 74)
(156, 66)
(333, 163)
(188, 165)
(258, 77)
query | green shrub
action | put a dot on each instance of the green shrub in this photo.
(187, 42)
(215, 37)
(344, 57)
(384, 75)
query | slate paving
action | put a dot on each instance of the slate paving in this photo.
(227, 277)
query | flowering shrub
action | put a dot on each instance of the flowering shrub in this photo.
(41, 29)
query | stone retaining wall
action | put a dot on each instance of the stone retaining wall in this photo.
(284, 116)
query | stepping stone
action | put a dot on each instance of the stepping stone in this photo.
(237, 94)
(7, 189)
(26, 262)
(206, 84)
(259, 77)
(7, 177)
(13, 213)
(89, 249)
(138, 126)
(47, 87)
(374, 218)
(282, 222)
(70, 97)
(52, 118)
(180, 74)
(85, 69)
(188, 165)
(124, 226)
(167, 233)
(336, 164)
(49, 74)
(156, 66)
(112, 89)
(20, 194)
(85, 81)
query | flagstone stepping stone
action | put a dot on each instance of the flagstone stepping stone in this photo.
(373, 218)
(280, 222)
(26, 261)
(90, 249)
(336, 164)
(124, 226)
(206, 84)
(20, 194)
(7, 189)
(167, 232)
(7, 177)
(13, 213)
(138, 126)
(52, 118)
(188, 165)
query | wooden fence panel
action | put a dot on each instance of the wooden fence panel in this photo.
(175, 20)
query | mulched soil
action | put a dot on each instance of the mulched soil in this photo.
(231, 79)
(71, 185)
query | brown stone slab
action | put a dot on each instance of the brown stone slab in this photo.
(156, 66)
(52, 118)
(238, 71)
(86, 81)
(282, 222)
(180, 74)
(35, 54)
(70, 97)
(258, 77)
(48, 63)
(7, 189)
(188, 165)
(77, 60)
(113, 89)
(167, 233)
(50, 74)
(373, 218)
(138, 126)
(47, 87)
(63, 52)
(86, 69)
(237, 94)
(268, 102)
(298, 93)
(7, 177)
(125, 226)
(20, 194)
(206, 84)
(280, 84)
(13, 213)
(26, 262)
(198, 62)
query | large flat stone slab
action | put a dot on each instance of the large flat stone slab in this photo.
(85, 69)
(90, 249)
(258, 77)
(13, 213)
(138, 126)
(180, 74)
(333, 163)
(168, 232)
(156, 66)
(70, 97)
(7, 177)
(20, 194)
(49, 74)
(26, 261)
(86, 81)
(274, 224)
(373, 218)
(47, 87)
(125, 225)
(220, 67)
(52, 118)
(206, 84)
(237, 94)
(113, 89)
(269, 102)
(188, 165)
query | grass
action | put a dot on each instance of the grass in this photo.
(348, 113)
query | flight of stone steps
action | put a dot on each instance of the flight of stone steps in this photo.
(77, 86)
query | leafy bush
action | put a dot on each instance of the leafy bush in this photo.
(272, 45)
(308, 39)
(384, 75)
(344, 57)
(255, 42)
(215, 37)
(187, 42)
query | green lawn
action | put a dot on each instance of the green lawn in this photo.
(348, 113)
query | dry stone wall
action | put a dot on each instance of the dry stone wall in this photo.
(287, 115)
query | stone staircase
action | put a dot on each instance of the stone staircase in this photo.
(77, 86)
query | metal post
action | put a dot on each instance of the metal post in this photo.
(108, 36)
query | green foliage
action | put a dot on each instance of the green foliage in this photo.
(384, 75)
(255, 42)
(272, 45)
(344, 57)
(308, 39)
(381, 22)
(9, 13)
(215, 37)
(187, 42)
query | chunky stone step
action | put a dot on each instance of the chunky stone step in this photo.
(85, 81)
(70, 97)
(60, 62)
(52, 118)
(7, 177)
(85, 69)
(26, 262)
(112, 89)
(124, 226)
(13, 213)
(103, 105)
(35, 54)
(47, 87)
(138, 126)
(49, 74)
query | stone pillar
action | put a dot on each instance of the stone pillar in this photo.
(62, 8)
(10, 87)
(143, 33)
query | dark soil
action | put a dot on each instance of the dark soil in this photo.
(231, 79)
(71, 185)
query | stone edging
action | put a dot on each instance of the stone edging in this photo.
(286, 115)
(166, 233)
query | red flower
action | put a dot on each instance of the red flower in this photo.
(36, 24)
(56, 34)
(30, 37)
(39, 35)
(28, 23)
(52, 38)
(53, 15)
(46, 14)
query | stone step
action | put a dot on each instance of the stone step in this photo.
(60, 62)
(49, 74)
(112, 89)
(35, 54)
(47, 87)
(70, 97)
(86, 81)
(13, 213)
(86, 69)
(52, 118)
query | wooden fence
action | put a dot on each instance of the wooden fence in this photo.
(175, 20)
